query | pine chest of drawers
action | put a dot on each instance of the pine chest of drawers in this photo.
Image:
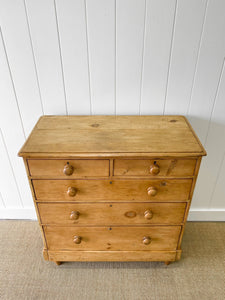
(112, 188)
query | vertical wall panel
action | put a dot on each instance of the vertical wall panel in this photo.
(2, 203)
(218, 196)
(73, 39)
(12, 130)
(16, 36)
(189, 23)
(159, 18)
(43, 27)
(9, 191)
(112, 56)
(130, 22)
(208, 70)
(101, 46)
(215, 146)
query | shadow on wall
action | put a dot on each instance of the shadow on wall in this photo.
(209, 192)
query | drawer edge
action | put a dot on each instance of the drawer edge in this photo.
(113, 255)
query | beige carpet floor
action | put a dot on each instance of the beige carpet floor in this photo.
(200, 274)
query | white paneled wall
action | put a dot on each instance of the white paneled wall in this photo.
(112, 57)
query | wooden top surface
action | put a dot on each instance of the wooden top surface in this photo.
(75, 136)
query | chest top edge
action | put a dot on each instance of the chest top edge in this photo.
(112, 136)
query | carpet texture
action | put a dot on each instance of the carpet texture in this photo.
(200, 274)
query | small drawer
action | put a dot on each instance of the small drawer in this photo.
(112, 238)
(76, 168)
(115, 190)
(111, 213)
(161, 167)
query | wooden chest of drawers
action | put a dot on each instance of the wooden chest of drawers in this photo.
(112, 188)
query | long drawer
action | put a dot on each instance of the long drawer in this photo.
(115, 190)
(111, 213)
(61, 168)
(154, 168)
(112, 238)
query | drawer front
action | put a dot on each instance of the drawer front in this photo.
(112, 238)
(76, 168)
(115, 190)
(111, 213)
(145, 167)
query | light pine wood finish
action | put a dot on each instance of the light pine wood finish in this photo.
(111, 134)
(112, 255)
(189, 204)
(112, 188)
(154, 168)
(45, 251)
(162, 238)
(68, 214)
(68, 168)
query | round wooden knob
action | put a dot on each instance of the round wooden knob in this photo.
(152, 191)
(77, 239)
(71, 191)
(68, 169)
(154, 169)
(74, 215)
(148, 214)
(146, 240)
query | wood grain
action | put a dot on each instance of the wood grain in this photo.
(111, 213)
(136, 202)
(112, 255)
(178, 45)
(163, 238)
(108, 122)
(189, 204)
(81, 168)
(112, 190)
(141, 167)
(109, 134)
(37, 212)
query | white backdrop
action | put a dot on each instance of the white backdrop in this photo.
(112, 57)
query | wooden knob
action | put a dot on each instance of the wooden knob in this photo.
(68, 169)
(146, 240)
(77, 239)
(152, 191)
(74, 215)
(154, 169)
(148, 214)
(71, 191)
